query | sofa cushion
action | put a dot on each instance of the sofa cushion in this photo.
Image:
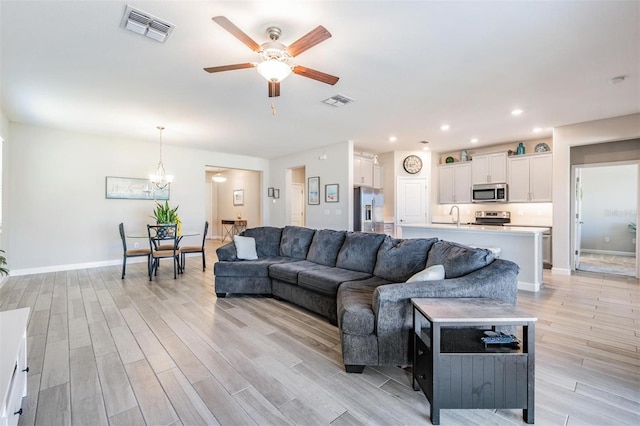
(458, 259)
(288, 272)
(355, 306)
(327, 280)
(245, 247)
(432, 273)
(359, 251)
(248, 268)
(267, 240)
(325, 246)
(399, 259)
(295, 241)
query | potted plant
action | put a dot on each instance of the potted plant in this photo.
(3, 262)
(164, 214)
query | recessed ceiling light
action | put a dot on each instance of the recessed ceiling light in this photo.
(537, 129)
(444, 127)
(393, 139)
(517, 111)
(474, 140)
(618, 79)
(425, 146)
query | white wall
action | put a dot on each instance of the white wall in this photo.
(58, 217)
(607, 130)
(337, 168)
(605, 213)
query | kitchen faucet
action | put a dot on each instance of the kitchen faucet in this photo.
(458, 211)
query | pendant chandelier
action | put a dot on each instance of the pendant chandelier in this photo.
(160, 179)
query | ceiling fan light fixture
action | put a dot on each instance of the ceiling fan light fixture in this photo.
(274, 70)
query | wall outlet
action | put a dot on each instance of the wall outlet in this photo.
(633, 240)
(136, 245)
(327, 212)
(338, 212)
(607, 239)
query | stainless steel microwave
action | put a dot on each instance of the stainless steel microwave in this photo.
(489, 193)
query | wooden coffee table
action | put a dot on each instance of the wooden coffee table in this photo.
(455, 369)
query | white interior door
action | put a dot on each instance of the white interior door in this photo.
(297, 204)
(411, 201)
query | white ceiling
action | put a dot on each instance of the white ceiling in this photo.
(410, 65)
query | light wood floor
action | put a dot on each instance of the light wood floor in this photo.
(108, 351)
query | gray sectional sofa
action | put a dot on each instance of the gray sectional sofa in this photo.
(358, 281)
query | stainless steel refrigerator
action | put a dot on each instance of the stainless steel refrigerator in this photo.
(368, 212)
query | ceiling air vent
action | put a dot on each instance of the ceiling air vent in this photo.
(338, 100)
(145, 24)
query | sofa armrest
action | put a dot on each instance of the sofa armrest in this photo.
(227, 252)
(394, 314)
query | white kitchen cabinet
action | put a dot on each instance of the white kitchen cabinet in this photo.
(378, 176)
(362, 171)
(13, 364)
(489, 168)
(454, 182)
(530, 178)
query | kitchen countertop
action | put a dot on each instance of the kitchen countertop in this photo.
(519, 244)
(482, 228)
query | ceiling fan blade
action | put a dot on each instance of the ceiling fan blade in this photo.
(308, 40)
(230, 67)
(236, 32)
(274, 88)
(316, 75)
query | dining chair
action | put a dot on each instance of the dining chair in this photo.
(131, 253)
(160, 248)
(195, 249)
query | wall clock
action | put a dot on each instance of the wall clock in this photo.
(412, 164)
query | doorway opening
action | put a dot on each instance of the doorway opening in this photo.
(605, 218)
(233, 196)
(297, 191)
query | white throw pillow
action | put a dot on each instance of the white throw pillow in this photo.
(432, 273)
(245, 247)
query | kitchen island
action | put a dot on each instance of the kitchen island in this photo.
(519, 244)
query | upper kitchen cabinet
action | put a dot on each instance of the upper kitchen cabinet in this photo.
(530, 178)
(489, 168)
(378, 176)
(362, 171)
(454, 182)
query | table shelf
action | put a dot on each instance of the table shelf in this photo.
(455, 369)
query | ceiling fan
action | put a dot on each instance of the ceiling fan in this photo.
(276, 58)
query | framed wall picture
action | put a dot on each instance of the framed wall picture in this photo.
(276, 193)
(270, 192)
(331, 193)
(238, 197)
(313, 190)
(133, 189)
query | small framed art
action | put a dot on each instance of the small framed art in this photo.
(314, 190)
(238, 197)
(332, 193)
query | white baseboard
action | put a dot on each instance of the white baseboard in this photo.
(560, 271)
(74, 266)
(609, 252)
(528, 286)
